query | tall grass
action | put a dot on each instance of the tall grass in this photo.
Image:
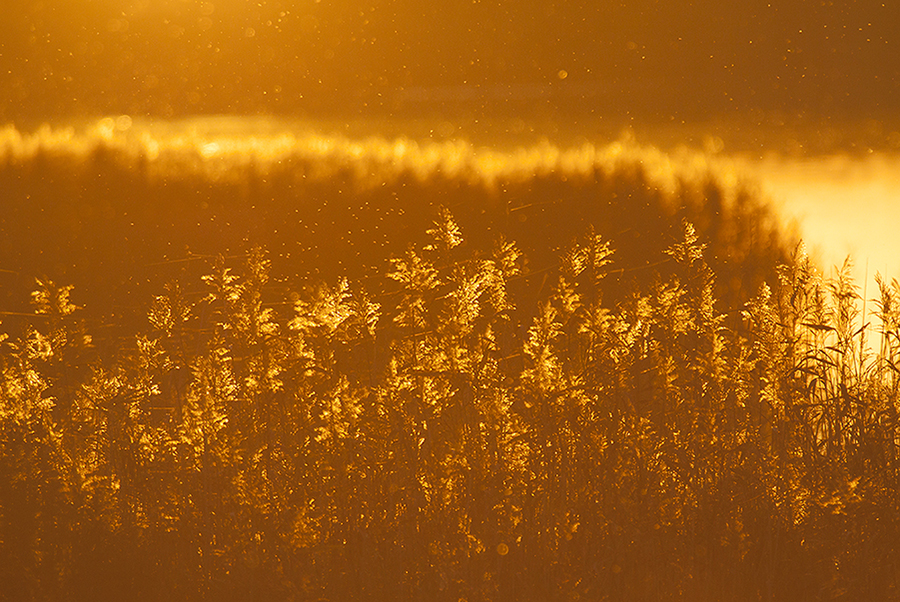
(455, 437)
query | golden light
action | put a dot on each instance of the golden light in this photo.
(448, 300)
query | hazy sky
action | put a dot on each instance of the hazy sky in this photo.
(656, 57)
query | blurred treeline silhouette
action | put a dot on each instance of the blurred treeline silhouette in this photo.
(119, 209)
(442, 442)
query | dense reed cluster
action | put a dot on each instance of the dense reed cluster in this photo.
(442, 441)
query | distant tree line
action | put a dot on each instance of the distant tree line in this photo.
(441, 441)
(119, 214)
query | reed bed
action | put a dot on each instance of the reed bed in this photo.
(440, 442)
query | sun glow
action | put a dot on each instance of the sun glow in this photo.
(845, 207)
